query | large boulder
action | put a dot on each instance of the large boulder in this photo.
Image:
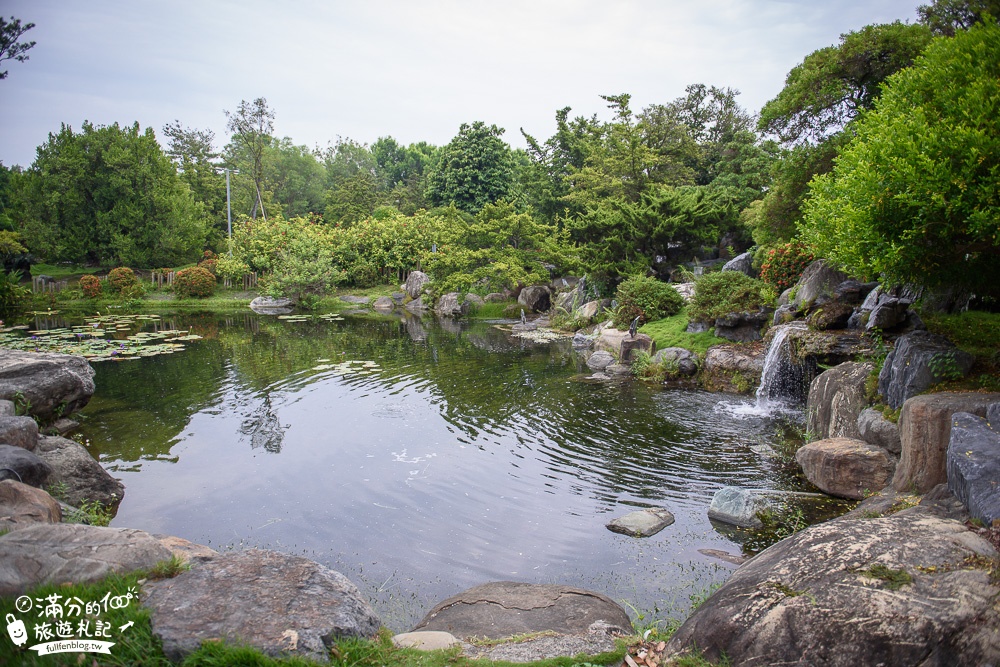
(831, 315)
(857, 593)
(52, 384)
(737, 507)
(632, 345)
(384, 304)
(505, 608)
(845, 467)
(592, 309)
(600, 360)
(415, 283)
(743, 327)
(535, 298)
(27, 467)
(742, 264)
(974, 465)
(277, 603)
(733, 368)
(818, 283)
(22, 505)
(80, 477)
(416, 306)
(76, 553)
(268, 305)
(450, 305)
(919, 360)
(19, 431)
(876, 430)
(610, 340)
(925, 430)
(836, 398)
(889, 312)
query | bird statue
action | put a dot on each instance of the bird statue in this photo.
(524, 320)
(634, 327)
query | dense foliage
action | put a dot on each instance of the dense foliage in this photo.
(121, 279)
(784, 264)
(196, 281)
(916, 195)
(716, 294)
(647, 298)
(90, 285)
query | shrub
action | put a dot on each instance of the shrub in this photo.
(229, 267)
(13, 296)
(646, 298)
(784, 264)
(717, 294)
(196, 281)
(121, 279)
(90, 286)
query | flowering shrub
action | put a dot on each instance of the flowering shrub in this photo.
(196, 281)
(121, 279)
(211, 265)
(90, 286)
(784, 264)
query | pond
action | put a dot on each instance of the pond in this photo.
(421, 458)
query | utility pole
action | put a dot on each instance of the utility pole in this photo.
(229, 208)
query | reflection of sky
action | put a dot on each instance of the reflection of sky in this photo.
(381, 477)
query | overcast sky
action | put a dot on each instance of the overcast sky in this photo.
(412, 69)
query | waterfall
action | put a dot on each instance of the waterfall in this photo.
(783, 378)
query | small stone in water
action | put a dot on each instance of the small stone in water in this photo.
(642, 523)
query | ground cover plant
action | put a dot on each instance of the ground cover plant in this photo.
(716, 294)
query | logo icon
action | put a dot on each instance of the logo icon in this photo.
(15, 628)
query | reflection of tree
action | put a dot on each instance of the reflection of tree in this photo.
(263, 428)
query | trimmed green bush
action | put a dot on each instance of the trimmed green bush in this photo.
(195, 281)
(646, 298)
(121, 279)
(716, 294)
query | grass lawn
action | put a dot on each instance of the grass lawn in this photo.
(670, 332)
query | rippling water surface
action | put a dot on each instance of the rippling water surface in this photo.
(456, 455)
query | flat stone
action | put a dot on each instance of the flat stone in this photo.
(429, 640)
(24, 466)
(641, 523)
(725, 364)
(503, 609)
(22, 505)
(83, 479)
(185, 550)
(19, 432)
(846, 467)
(359, 300)
(815, 599)
(277, 603)
(974, 466)
(600, 360)
(62, 426)
(267, 305)
(925, 430)
(76, 553)
(737, 507)
(610, 340)
(53, 384)
(876, 430)
(533, 649)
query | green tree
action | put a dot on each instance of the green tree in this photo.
(476, 168)
(295, 178)
(834, 84)
(915, 196)
(194, 154)
(10, 48)
(109, 195)
(402, 173)
(251, 126)
(946, 17)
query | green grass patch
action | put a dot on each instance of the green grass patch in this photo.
(493, 310)
(978, 333)
(373, 292)
(65, 271)
(670, 332)
(894, 579)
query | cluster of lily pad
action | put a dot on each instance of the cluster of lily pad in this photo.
(539, 335)
(352, 367)
(100, 338)
(328, 317)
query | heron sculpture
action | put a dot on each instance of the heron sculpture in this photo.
(634, 327)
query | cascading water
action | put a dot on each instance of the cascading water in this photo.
(782, 380)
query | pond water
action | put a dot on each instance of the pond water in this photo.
(421, 458)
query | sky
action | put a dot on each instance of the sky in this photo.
(412, 69)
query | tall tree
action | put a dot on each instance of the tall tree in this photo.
(946, 17)
(251, 126)
(109, 195)
(295, 178)
(193, 152)
(476, 168)
(10, 48)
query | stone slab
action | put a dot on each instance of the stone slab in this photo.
(641, 523)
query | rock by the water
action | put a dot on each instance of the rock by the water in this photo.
(733, 368)
(974, 465)
(7, 408)
(535, 298)
(817, 281)
(846, 467)
(743, 327)
(641, 523)
(737, 507)
(24, 466)
(82, 478)
(582, 341)
(416, 306)
(600, 360)
(610, 340)
(876, 430)
(531, 648)
(277, 603)
(684, 361)
(741, 263)
(187, 551)
(888, 313)
(415, 283)
(856, 593)
(357, 300)
(384, 304)
(19, 431)
(71, 552)
(62, 426)
(474, 300)
(919, 360)
(53, 384)
(450, 305)
(925, 430)
(503, 609)
(831, 315)
(266, 305)
(430, 640)
(836, 398)
(784, 314)
(22, 505)
(633, 345)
